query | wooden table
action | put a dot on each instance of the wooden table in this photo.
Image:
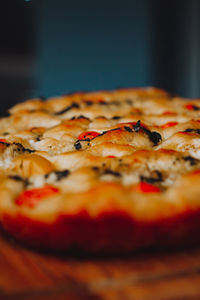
(26, 274)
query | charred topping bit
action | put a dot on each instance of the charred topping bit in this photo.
(95, 168)
(192, 107)
(5, 133)
(88, 136)
(102, 102)
(128, 129)
(89, 103)
(110, 172)
(192, 130)
(79, 117)
(155, 137)
(191, 160)
(104, 132)
(82, 117)
(2, 142)
(38, 139)
(136, 127)
(116, 118)
(59, 174)
(21, 147)
(151, 180)
(77, 145)
(73, 105)
(19, 178)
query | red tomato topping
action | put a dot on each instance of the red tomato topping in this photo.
(196, 172)
(192, 107)
(148, 188)
(168, 113)
(89, 135)
(110, 156)
(189, 106)
(187, 133)
(31, 197)
(2, 146)
(169, 124)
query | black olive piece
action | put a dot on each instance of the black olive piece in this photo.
(110, 172)
(155, 137)
(136, 127)
(19, 178)
(127, 128)
(82, 117)
(4, 143)
(89, 103)
(73, 105)
(103, 103)
(116, 117)
(189, 130)
(191, 160)
(195, 107)
(192, 130)
(95, 168)
(114, 129)
(16, 177)
(152, 180)
(61, 174)
(77, 145)
(21, 147)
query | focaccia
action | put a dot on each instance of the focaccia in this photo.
(102, 172)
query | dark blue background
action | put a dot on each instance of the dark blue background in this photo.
(50, 47)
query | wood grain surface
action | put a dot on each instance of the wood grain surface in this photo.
(32, 275)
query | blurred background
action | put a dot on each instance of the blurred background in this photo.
(51, 47)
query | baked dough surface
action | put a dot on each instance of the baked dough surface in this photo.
(107, 171)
